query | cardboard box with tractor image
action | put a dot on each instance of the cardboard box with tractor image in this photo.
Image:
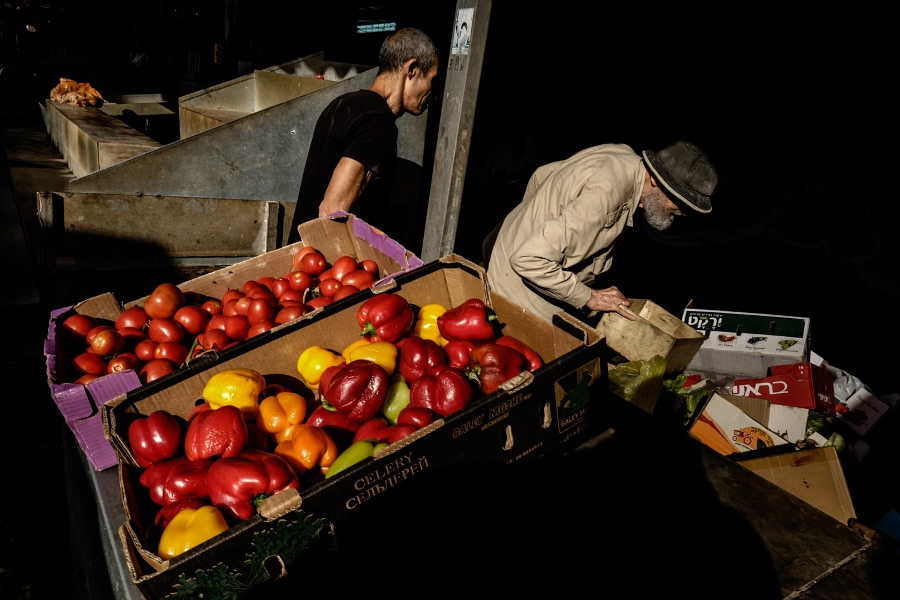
(555, 407)
(80, 404)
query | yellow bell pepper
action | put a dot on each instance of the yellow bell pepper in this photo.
(383, 354)
(280, 413)
(312, 363)
(190, 527)
(426, 324)
(237, 387)
(362, 341)
(309, 446)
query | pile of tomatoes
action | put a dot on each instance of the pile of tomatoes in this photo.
(173, 326)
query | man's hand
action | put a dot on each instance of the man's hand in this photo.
(610, 300)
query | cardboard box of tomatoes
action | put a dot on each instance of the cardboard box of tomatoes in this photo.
(342, 234)
(554, 407)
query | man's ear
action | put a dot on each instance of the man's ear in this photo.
(411, 67)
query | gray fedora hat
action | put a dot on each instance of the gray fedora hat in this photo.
(686, 172)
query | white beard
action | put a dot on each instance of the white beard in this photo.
(656, 213)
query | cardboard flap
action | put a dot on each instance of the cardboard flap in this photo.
(814, 476)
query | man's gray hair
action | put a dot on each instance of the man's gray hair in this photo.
(405, 44)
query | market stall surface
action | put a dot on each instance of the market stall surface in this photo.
(646, 509)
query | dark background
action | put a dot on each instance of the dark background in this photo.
(795, 109)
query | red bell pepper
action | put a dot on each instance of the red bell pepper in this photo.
(417, 355)
(492, 364)
(339, 426)
(458, 352)
(417, 416)
(376, 430)
(444, 391)
(533, 358)
(386, 317)
(358, 390)
(214, 433)
(470, 321)
(238, 484)
(155, 438)
(176, 479)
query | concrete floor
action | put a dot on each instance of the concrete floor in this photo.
(631, 513)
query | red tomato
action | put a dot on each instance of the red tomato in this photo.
(249, 285)
(343, 265)
(267, 281)
(300, 254)
(135, 317)
(237, 327)
(242, 305)
(291, 296)
(132, 336)
(329, 287)
(289, 313)
(77, 326)
(107, 343)
(212, 306)
(264, 293)
(360, 278)
(90, 364)
(231, 294)
(156, 368)
(173, 351)
(300, 281)
(193, 318)
(313, 263)
(85, 379)
(318, 302)
(93, 332)
(280, 286)
(260, 327)
(260, 310)
(124, 362)
(164, 301)
(165, 330)
(214, 339)
(216, 322)
(369, 265)
(326, 274)
(146, 349)
(229, 307)
(346, 290)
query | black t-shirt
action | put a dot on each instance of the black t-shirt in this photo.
(358, 125)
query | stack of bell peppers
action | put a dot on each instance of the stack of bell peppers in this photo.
(249, 439)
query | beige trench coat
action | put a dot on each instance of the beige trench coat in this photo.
(562, 235)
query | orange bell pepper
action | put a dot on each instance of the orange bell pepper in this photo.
(308, 447)
(280, 413)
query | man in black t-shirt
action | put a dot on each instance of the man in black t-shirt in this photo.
(354, 145)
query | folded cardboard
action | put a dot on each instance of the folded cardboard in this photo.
(803, 385)
(654, 332)
(532, 415)
(746, 344)
(342, 234)
(813, 475)
(727, 429)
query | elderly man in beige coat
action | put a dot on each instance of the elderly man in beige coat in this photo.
(550, 249)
